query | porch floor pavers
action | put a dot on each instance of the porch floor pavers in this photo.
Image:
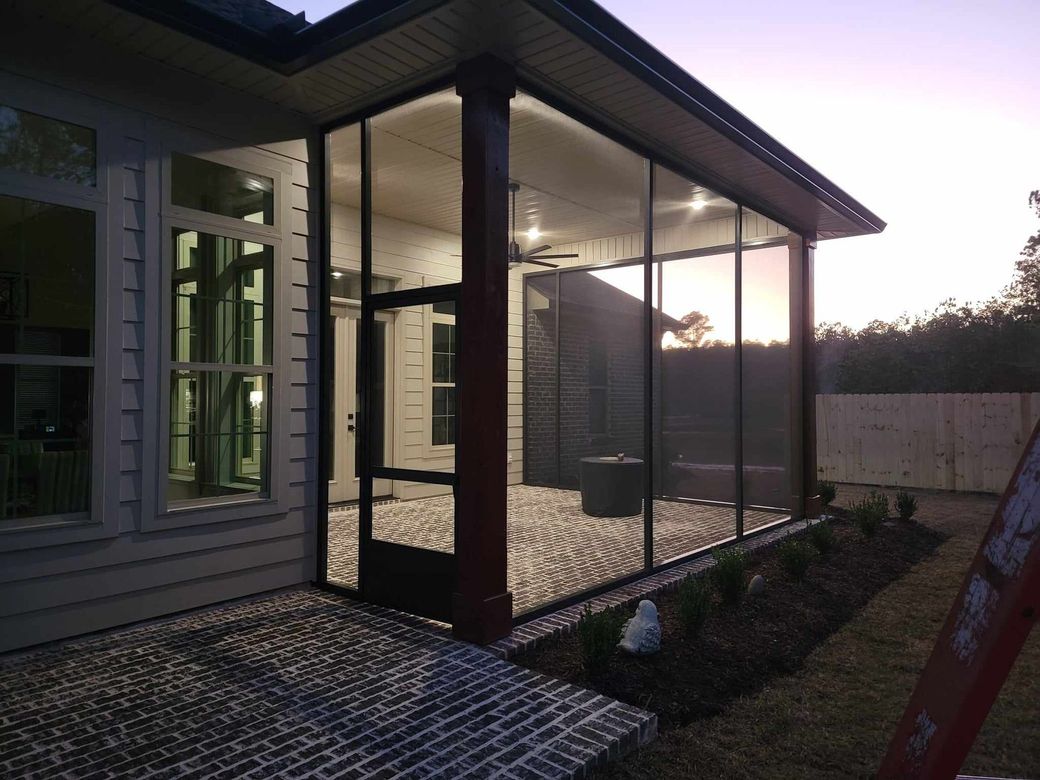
(554, 549)
(298, 684)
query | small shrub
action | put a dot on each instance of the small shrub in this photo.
(828, 492)
(795, 556)
(821, 536)
(694, 605)
(729, 574)
(869, 513)
(598, 635)
(906, 505)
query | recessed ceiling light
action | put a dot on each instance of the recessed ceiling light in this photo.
(697, 205)
(337, 274)
(534, 233)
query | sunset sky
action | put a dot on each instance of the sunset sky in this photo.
(927, 111)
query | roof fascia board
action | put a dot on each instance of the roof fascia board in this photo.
(210, 28)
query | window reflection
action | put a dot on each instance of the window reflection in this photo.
(39, 145)
(221, 299)
(220, 189)
(46, 278)
(44, 440)
(218, 434)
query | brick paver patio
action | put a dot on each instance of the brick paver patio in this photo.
(555, 549)
(300, 684)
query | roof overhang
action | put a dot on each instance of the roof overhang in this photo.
(569, 52)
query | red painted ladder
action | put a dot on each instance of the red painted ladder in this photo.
(984, 632)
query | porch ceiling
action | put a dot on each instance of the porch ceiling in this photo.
(568, 50)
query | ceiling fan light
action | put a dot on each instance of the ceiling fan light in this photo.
(534, 234)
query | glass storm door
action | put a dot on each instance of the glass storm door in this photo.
(343, 479)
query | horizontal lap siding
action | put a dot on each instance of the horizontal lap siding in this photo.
(52, 592)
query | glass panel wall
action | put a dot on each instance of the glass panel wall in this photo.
(416, 205)
(341, 422)
(577, 216)
(695, 366)
(766, 367)
(590, 300)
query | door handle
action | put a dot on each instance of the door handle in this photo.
(350, 428)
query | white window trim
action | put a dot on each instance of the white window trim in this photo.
(431, 450)
(278, 236)
(102, 519)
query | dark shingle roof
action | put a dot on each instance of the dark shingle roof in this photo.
(258, 15)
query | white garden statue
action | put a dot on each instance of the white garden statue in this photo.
(642, 633)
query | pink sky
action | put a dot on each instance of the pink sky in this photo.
(927, 111)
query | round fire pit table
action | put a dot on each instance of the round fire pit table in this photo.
(611, 487)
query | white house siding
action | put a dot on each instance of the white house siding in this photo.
(419, 256)
(51, 585)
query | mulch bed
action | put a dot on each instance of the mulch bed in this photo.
(741, 649)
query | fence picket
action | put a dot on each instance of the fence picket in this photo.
(948, 441)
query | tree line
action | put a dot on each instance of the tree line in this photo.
(987, 347)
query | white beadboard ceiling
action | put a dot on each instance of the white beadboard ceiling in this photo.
(575, 185)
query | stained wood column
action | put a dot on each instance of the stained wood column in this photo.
(805, 499)
(482, 606)
(813, 504)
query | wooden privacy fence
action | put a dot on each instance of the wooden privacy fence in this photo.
(948, 441)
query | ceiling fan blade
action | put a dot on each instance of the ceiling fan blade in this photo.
(538, 249)
(539, 262)
(554, 257)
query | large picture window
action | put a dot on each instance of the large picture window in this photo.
(221, 356)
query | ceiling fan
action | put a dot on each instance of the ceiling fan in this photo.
(532, 256)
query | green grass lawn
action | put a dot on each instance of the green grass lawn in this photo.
(835, 717)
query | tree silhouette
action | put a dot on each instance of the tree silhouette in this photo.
(695, 326)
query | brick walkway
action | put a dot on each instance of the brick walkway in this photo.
(555, 549)
(301, 684)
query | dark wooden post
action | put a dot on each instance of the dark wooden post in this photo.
(796, 374)
(805, 492)
(482, 606)
(810, 476)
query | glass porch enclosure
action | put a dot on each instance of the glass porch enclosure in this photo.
(648, 318)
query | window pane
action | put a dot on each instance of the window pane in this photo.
(541, 450)
(222, 294)
(578, 200)
(44, 440)
(766, 326)
(695, 367)
(416, 189)
(218, 434)
(221, 189)
(347, 284)
(46, 278)
(341, 424)
(30, 143)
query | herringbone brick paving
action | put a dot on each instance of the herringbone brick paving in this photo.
(555, 549)
(301, 684)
